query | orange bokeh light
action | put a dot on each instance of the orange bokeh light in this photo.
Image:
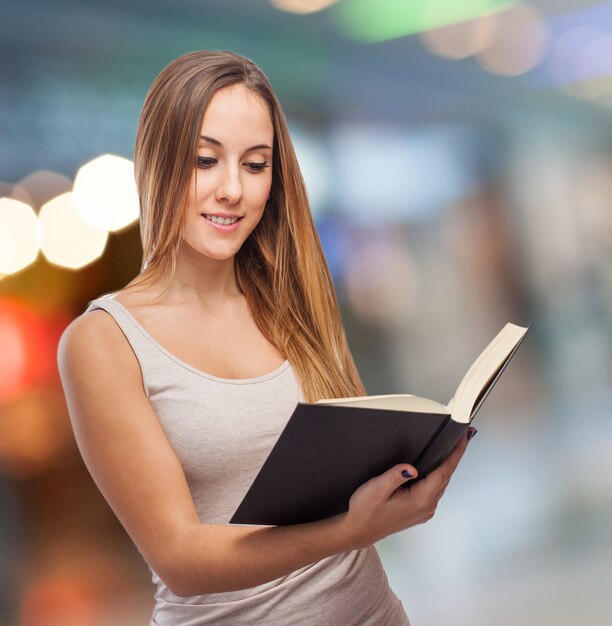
(57, 601)
(29, 344)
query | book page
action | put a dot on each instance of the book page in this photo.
(393, 402)
(484, 370)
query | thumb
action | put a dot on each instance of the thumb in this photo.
(396, 477)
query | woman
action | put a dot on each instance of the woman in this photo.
(179, 384)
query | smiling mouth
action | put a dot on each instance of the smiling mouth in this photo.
(221, 220)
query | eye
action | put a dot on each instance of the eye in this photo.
(259, 167)
(207, 162)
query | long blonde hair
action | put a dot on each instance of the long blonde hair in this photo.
(280, 268)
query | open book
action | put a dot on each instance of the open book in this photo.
(330, 447)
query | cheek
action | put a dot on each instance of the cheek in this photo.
(261, 190)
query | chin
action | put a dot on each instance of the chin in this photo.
(218, 255)
(221, 253)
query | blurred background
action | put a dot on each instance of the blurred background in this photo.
(458, 158)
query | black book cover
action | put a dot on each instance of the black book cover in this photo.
(326, 452)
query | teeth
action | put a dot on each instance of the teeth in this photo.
(220, 220)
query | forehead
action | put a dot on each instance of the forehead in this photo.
(236, 113)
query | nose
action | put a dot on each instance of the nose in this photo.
(229, 188)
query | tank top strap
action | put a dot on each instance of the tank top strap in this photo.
(149, 358)
(133, 334)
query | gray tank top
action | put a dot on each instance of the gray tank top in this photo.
(222, 430)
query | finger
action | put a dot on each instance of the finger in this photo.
(393, 478)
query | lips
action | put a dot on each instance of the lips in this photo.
(220, 227)
(221, 215)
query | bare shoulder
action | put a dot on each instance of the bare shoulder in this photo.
(96, 335)
(93, 354)
(94, 340)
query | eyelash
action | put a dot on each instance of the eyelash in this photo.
(206, 162)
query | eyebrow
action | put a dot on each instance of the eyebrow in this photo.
(216, 142)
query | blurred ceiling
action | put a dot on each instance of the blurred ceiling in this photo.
(88, 51)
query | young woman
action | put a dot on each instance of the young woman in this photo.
(179, 384)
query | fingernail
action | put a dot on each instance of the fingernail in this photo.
(471, 432)
(406, 473)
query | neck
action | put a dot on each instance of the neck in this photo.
(201, 280)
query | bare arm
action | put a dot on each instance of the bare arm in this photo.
(131, 461)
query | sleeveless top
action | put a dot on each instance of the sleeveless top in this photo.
(222, 430)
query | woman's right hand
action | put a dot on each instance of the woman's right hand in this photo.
(379, 507)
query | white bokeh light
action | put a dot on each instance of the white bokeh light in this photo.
(19, 235)
(67, 240)
(105, 193)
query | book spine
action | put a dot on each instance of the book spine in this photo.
(430, 443)
(439, 446)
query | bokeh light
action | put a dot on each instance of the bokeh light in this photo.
(67, 240)
(302, 7)
(17, 192)
(105, 193)
(581, 62)
(519, 43)
(28, 349)
(40, 187)
(368, 21)
(58, 600)
(457, 41)
(35, 434)
(12, 355)
(19, 235)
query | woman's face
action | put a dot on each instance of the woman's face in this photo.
(233, 172)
